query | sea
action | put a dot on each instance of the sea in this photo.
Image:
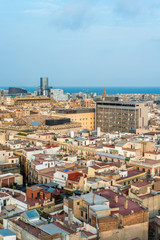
(99, 90)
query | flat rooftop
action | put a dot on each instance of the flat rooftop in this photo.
(119, 103)
(75, 110)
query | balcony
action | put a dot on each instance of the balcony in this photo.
(83, 209)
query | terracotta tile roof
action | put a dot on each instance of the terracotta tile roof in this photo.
(131, 173)
(28, 201)
(95, 167)
(29, 228)
(146, 196)
(88, 234)
(46, 134)
(110, 195)
(47, 174)
(109, 146)
(2, 194)
(32, 149)
(45, 170)
(141, 183)
(63, 227)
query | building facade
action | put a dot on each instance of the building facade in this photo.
(121, 116)
(85, 116)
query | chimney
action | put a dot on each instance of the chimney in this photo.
(126, 204)
(93, 198)
(149, 189)
(116, 198)
(70, 216)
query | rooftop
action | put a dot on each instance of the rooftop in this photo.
(141, 183)
(32, 214)
(54, 228)
(132, 173)
(110, 195)
(99, 207)
(93, 198)
(6, 232)
(29, 228)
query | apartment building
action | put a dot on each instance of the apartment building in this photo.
(114, 216)
(85, 116)
(122, 116)
(5, 153)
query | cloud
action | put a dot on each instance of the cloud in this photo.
(129, 8)
(74, 15)
(69, 14)
(155, 39)
(36, 11)
(136, 8)
(81, 14)
(43, 8)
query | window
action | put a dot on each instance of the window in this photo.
(81, 213)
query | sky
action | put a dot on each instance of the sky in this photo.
(80, 42)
